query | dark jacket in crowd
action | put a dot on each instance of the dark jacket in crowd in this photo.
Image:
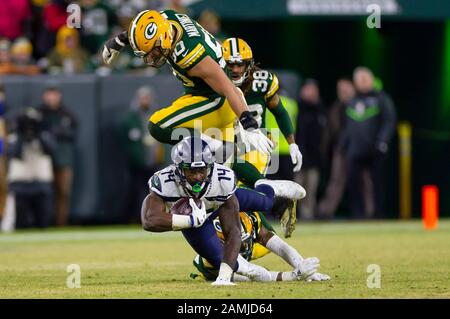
(62, 124)
(370, 121)
(311, 122)
(30, 150)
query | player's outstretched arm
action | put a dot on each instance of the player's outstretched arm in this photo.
(285, 124)
(230, 222)
(304, 269)
(112, 48)
(154, 217)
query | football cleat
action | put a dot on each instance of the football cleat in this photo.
(286, 210)
(284, 188)
(288, 219)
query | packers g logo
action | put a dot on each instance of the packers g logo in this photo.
(150, 31)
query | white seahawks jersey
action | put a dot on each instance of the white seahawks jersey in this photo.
(222, 185)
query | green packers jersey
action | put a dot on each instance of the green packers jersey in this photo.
(261, 87)
(193, 43)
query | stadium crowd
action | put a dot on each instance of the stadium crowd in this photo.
(349, 139)
(36, 36)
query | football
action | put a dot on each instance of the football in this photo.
(182, 207)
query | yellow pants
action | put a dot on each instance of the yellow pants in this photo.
(212, 117)
(257, 159)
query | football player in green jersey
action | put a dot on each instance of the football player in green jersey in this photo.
(260, 88)
(196, 59)
(210, 98)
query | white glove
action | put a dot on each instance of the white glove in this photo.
(112, 49)
(307, 267)
(109, 55)
(198, 215)
(224, 277)
(296, 156)
(256, 138)
(318, 277)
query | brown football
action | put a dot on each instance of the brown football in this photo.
(182, 207)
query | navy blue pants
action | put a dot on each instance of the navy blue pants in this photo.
(204, 239)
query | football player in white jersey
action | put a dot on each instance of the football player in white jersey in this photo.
(195, 174)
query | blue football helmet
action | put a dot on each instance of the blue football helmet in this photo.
(191, 153)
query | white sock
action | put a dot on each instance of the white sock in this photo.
(285, 275)
(282, 249)
(240, 278)
(252, 271)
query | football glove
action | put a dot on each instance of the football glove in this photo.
(198, 215)
(248, 121)
(257, 139)
(224, 277)
(296, 156)
(307, 267)
(112, 47)
(318, 277)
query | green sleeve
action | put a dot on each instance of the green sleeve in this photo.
(283, 119)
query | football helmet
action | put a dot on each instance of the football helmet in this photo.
(248, 235)
(150, 37)
(189, 154)
(237, 51)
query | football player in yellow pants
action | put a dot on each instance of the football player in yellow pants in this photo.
(196, 60)
(258, 240)
(260, 88)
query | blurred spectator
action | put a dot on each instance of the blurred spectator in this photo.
(211, 22)
(67, 57)
(30, 173)
(138, 5)
(62, 125)
(311, 122)
(3, 134)
(16, 59)
(336, 122)
(370, 124)
(97, 22)
(144, 153)
(177, 6)
(40, 3)
(15, 19)
(53, 17)
(21, 54)
(125, 14)
(127, 60)
(6, 65)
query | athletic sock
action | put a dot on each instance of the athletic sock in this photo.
(285, 251)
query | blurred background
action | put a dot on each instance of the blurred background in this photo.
(73, 140)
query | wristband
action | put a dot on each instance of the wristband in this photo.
(181, 222)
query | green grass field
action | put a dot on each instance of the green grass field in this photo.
(126, 262)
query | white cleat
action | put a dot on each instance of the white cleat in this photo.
(284, 188)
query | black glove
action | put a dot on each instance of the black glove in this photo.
(248, 121)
